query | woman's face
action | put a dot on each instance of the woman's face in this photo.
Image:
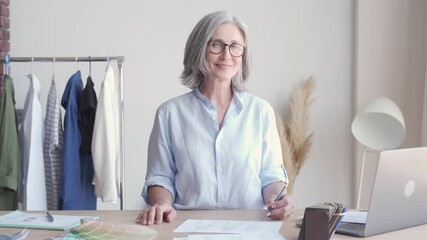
(223, 66)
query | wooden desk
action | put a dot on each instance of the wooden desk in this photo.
(165, 230)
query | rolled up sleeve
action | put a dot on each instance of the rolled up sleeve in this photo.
(272, 169)
(161, 168)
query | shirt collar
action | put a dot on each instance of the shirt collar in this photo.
(237, 99)
(202, 97)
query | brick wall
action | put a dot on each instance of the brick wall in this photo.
(4, 30)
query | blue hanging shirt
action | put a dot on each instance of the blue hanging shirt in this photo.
(74, 185)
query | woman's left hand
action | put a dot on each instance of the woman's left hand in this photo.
(281, 209)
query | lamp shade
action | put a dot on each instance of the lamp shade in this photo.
(379, 125)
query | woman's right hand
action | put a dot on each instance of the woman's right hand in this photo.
(156, 214)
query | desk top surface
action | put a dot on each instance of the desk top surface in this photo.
(165, 230)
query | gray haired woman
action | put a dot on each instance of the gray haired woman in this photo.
(217, 146)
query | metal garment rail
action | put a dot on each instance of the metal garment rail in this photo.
(120, 60)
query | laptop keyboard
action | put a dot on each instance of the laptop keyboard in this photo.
(352, 226)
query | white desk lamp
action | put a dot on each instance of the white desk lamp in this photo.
(379, 125)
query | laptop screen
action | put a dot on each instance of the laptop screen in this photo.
(399, 194)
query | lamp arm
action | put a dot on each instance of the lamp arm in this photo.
(362, 169)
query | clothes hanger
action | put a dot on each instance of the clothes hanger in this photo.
(90, 67)
(32, 61)
(77, 63)
(108, 62)
(53, 68)
(6, 65)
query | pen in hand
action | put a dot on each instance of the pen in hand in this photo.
(49, 216)
(277, 198)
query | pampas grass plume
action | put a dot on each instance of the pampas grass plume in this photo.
(295, 141)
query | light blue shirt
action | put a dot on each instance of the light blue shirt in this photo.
(207, 167)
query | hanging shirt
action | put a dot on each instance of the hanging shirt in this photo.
(52, 148)
(87, 109)
(207, 167)
(33, 188)
(106, 140)
(73, 186)
(9, 146)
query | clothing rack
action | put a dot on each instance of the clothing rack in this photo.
(120, 59)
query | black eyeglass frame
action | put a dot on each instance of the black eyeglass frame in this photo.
(225, 45)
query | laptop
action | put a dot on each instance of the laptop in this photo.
(399, 194)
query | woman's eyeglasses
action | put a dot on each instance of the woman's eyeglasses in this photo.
(217, 47)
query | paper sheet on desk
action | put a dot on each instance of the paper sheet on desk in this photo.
(238, 236)
(226, 226)
(355, 217)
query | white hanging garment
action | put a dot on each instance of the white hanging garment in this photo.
(32, 193)
(106, 140)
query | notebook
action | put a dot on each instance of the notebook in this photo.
(19, 219)
(399, 194)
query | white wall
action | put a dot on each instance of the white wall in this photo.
(424, 126)
(391, 61)
(291, 40)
